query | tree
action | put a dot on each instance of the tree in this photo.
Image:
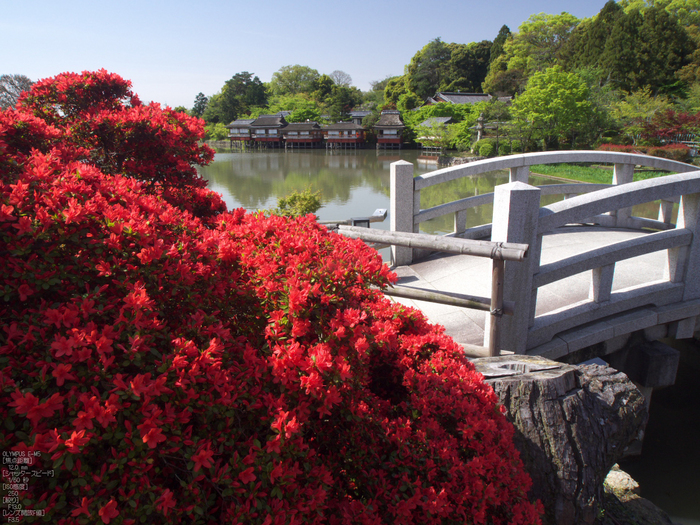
(435, 134)
(587, 42)
(322, 89)
(428, 68)
(11, 87)
(539, 41)
(341, 78)
(247, 89)
(341, 102)
(467, 67)
(395, 87)
(200, 104)
(619, 60)
(665, 48)
(555, 103)
(291, 80)
(686, 11)
(498, 43)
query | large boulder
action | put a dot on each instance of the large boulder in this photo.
(572, 425)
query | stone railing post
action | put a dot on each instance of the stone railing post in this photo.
(519, 174)
(402, 208)
(516, 208)
(684, 262)
(622, 174)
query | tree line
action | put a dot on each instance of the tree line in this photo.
(557, 82)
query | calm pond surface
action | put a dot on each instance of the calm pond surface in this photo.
(355, 183)
(352, 184)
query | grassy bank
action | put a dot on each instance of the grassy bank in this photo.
(588, 173)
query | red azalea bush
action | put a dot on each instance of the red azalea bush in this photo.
(679, 152)
(169, 371)
(97, 113)
(621, 148)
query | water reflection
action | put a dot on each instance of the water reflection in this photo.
(352, 183)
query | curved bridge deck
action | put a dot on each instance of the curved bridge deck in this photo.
(471, 275)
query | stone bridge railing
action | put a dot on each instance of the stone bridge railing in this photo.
(518, 218)
(407, 215)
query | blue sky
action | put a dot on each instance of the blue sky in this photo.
(171, 50)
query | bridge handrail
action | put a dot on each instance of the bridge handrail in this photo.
(654, 242)
(581, 207)
(518, 218)
(547, 157)
(406, 214)
(467, 203)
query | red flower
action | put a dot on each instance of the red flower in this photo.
(152, 437)
(76, 440)
(202, 458)
(24, 292)
(166, 502)
(82, 508)
(109, 511)
(61, 373)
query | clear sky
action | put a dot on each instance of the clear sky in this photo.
(171, 50)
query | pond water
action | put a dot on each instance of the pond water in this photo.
(355, 183)
(352, 183)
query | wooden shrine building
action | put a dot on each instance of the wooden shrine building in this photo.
(389, 129)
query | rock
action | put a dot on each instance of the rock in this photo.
(572, 425)
(624, 505)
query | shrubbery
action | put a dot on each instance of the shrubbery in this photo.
(679, 152)
(485, 147)
(238, 370)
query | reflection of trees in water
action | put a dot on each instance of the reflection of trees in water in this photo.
(258, 179)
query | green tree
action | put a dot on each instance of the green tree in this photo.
(295, 103)
(587, 42)
(291, 80)
(555, 103)
(467, 67)
(408, 101)
(395, 87)
(686, 11)
(635, 109)
(435, 134)
(539, 42)
(665, 48)
(619, 60)
(342, 100)
(213, 112)
(322, 88)
(498, 42)
(429, 68)
(247, 89)
(237, 97)
(200, 104)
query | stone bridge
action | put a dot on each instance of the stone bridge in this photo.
(594, 273)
